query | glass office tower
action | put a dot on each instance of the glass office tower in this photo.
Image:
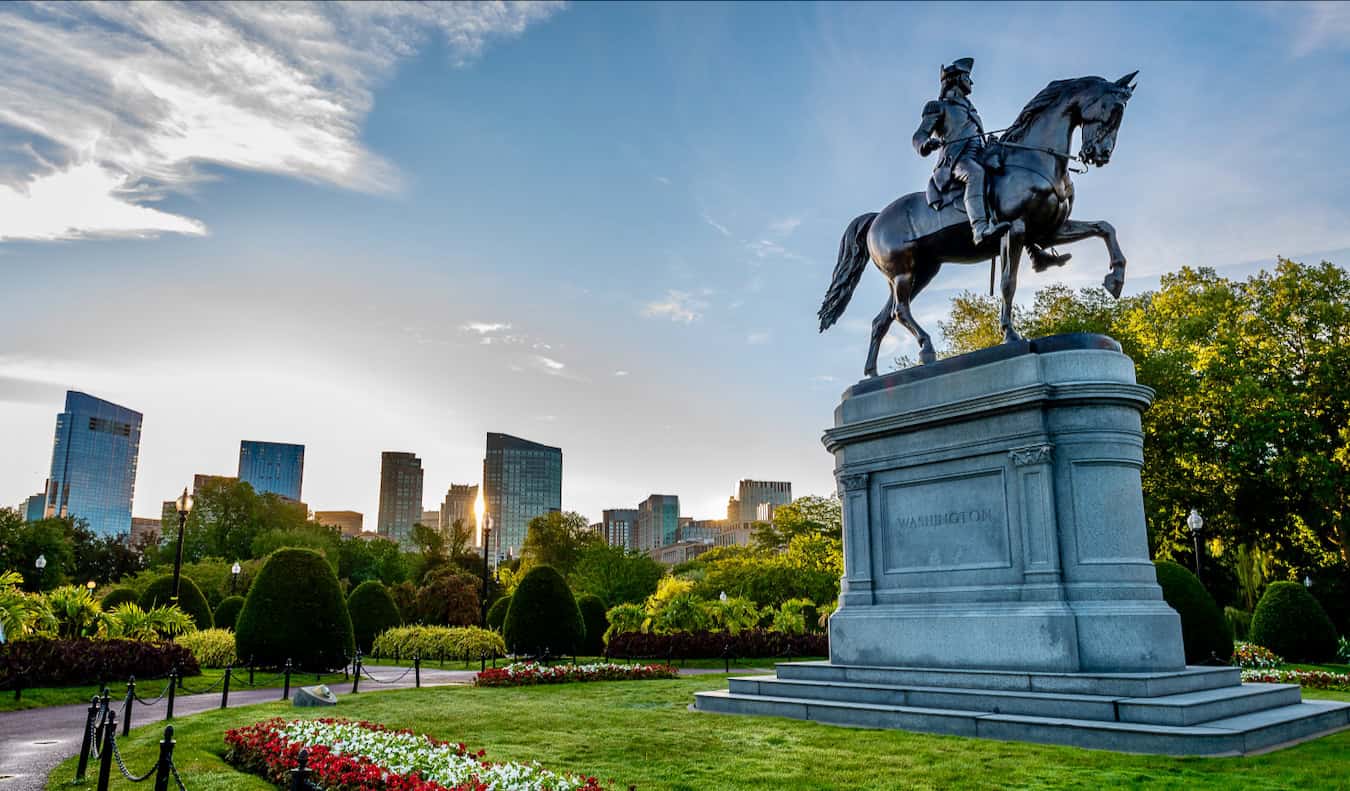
(276, 467)
(400, 496)
(94, 455)
(521, 480)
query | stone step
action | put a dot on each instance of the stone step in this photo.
(1194, 708)
(1124, 685)
(1238, 735)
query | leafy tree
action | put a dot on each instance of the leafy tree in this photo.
(372, 611)
(810, 515)
(448, 598)
(190, 599)
(557, 539)
(430, 541)
(21, 543)
(543, 616)
(295, 610)
(615, 575)
(21, 614)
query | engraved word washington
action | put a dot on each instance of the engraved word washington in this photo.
(948, 518)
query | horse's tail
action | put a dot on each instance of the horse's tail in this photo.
(853, 258)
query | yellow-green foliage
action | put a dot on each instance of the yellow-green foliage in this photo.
(626, 618)
(22, 614)
(733, 614)
(434, 642)
(130, 622)
(791, 617)
(212, 647)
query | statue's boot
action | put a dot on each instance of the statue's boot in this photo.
(977, 209)
(1041, 260)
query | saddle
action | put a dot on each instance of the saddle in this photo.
(945, 190)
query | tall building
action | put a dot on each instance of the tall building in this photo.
(94, 456)
(400, 496)
(618, 527)
(199, 480)
(276, 467)
(349, 522)
(33, 507)
(431, 519)
(144, 532)
(521, 480)
(757, 499)
(458, 506)
(658, 522)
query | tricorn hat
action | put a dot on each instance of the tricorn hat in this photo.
(959, 66)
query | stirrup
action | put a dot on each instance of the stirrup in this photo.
(992, 230)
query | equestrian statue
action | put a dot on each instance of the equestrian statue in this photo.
(989, 197)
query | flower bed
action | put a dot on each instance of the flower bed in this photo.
(1250, 656)
(365, 756)
(523, 674)
(1315, 679)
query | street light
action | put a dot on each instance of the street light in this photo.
(485, 528)
(41, 564)
(1195, 522)
(90, 585)
(234, 576)
(1307, 581)
(184, 506)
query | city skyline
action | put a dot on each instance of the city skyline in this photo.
(361, 247)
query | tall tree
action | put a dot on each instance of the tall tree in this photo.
(556, 539)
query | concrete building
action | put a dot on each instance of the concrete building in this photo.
(678, 552)
(704, 531)
(458, 505)
(199, 480)
(521, 480)
(400, 496)
(349, 522)
(755, 500)
(94, 458)
(276, 467)
(144, 531)
(431, 519)
(658, 522)
(618, 527)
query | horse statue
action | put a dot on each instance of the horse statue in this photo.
(1028, 186)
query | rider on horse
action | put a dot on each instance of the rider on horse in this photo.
(952, 124)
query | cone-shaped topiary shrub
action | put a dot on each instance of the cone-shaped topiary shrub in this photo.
(1290, 622)
(373, 611)
(543, 616)
(227, 614)
(190, 599)
(593, 617)
(294, 610)
(1204, 630)
(497, 613)
(119, 596)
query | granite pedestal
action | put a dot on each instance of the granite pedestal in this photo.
(997, 579)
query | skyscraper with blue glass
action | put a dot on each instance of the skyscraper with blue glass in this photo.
(521, 480)
(94, 455)
(276, 467)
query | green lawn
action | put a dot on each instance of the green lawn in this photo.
(642, 733)
(41, 697)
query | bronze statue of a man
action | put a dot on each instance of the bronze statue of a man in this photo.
(952, 124)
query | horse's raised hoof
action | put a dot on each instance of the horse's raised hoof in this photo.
(1011, 336)
(1114, 280)
(868, 373)
(927, 356)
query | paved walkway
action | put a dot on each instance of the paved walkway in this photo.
(33, 742)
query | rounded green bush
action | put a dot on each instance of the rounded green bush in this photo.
(119, 596)
(373, 611)
(190, 599)
(543, 617)
(1290, 622)
(227, 613)
(211, 647)
(593, 617)
(294, 610)
(1204, 631)
(497, 613)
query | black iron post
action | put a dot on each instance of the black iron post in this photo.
(300, 774)
(87, 741)
(165, 764)
(356, 671)
(225, 688)
(126, 711)
(173, 687)
(417, 670)
(1196, 535)
(105, 755)
(487, 533)
(178, 555)
(286, 690)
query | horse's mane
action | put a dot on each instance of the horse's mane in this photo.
(1050, 95)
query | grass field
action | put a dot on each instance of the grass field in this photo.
(642, 733)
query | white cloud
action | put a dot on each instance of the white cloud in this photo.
(720, 228)
(758, 338)
(620, 373)
(549, 363)
(1316, 25)
(785, 226)
(679, 306)
(663, 180)
(485, 327)
(134, 98)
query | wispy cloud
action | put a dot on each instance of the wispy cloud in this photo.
(134, 98)
(758, 338)
(717, 226)
(620, 373)
(663, 180)
(678, 306)
(485, 327)
(785, 226)
(549, 363)
(1315, 25)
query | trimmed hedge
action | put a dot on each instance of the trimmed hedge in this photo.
(595, 621)
(497, 613)
(190, 599)
(434, 643)
(212, 647)
(543, 617)
(42, 662)
(119, 596)
(295, 610)
(1290, 622)
(227, 613)
(1204, 630)
(373, 611)
(747, 644)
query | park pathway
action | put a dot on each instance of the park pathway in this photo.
(33, 742)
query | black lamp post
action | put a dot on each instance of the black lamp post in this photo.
(1195, 522)
(485, 527)
(234, 577)
(184, 506)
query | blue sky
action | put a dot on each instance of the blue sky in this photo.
(601, 226)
